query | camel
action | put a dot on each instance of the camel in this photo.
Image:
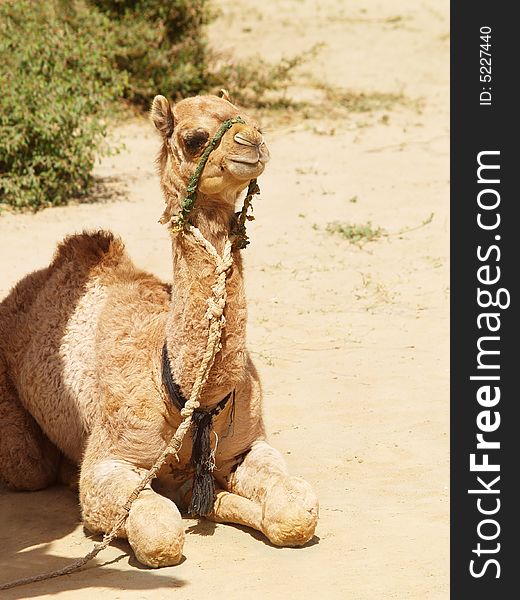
(83, 345)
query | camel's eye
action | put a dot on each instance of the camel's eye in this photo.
(195, 139)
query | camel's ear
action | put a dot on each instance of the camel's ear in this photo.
(225, 94)
(162, 116)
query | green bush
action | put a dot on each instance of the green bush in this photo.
(58, 79)
(160, 45)
(163, 49)
(64, 64)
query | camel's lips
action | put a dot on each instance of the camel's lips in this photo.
(254, 158)
(245, 160)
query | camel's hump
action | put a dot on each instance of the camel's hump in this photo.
(89, 247)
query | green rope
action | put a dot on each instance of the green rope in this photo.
(239, 230)
(191, 190)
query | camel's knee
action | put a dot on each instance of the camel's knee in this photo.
(290, 512)
(154, 525)
(155, 530)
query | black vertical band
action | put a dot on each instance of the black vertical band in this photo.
(484, 310)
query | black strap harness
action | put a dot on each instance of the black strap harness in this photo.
(203, 490)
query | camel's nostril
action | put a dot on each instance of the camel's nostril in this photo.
(246, 138)
(241, 139)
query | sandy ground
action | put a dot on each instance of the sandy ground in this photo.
(351, 342)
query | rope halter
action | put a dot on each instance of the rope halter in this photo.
(180, 222)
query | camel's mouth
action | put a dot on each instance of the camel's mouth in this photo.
(259, 157)
(249, 154)
(245, 160)
(245, 167)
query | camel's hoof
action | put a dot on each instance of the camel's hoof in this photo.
(155, 530)
(290, 513)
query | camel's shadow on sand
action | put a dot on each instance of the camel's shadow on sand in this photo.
(34, 523)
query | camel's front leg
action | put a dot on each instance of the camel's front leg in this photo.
(264, 496)
(154, 527)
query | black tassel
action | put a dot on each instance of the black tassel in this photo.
(203, 491)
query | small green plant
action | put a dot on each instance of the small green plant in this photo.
(360, 234)
(366, 101)
(355, 234)
(257, 83)
(340, 102)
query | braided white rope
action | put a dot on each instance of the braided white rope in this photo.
(215, 315)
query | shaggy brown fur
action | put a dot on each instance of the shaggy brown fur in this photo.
(80, 362)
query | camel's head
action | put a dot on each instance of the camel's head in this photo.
(189, 126)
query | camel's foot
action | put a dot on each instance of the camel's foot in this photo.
(290, 512)
(287, 516)
(288, 506)
(155, 530)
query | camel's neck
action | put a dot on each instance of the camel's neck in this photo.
(187, 326)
